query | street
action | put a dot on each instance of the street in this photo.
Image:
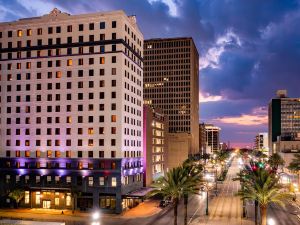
(224, 209)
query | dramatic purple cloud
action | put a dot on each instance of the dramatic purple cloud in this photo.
(248, 48)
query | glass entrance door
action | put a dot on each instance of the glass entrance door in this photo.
(46, 204)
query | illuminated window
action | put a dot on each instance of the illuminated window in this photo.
(113, 118)
(37, 197)
(20, 33)
(68, 199)
(69, 119)
(38, 153)
(56, 201)
(49, 153)
(68, 180)
(69, 62)
(28, 65)
(90, 181)
(57, 154)
(68, 154)
(18, 153)
(113, 181)
(101, 181)
(27, 153)
(18, 66)
(58, 74)
(26, 197)
(102, 60)
(91, 130)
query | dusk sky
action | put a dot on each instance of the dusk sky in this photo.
(248, 49)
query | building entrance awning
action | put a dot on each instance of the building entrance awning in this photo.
(141, 193)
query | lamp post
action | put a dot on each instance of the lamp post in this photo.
(208, 185)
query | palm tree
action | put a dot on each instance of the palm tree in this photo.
(17, 195)
(275, 161)
(294, 166)
(193, 171)
(262, 186)
(171, 187)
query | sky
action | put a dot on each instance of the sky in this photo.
(248, 50)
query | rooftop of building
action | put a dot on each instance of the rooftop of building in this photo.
(56, 14)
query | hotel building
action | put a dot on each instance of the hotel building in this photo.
(71, 110)
(171, 82)
(155, 128)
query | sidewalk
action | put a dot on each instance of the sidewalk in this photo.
(144, 209)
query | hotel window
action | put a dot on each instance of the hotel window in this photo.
(26, 179)
(113, 59)
(113, 154)
(102, 25)
(68, 179)
(56, 201)
(90, 130)
(113, 165)
(37, 198)
(58, 74)
(58, 30)
(80, 27)
(18, 153)
(68, 154)
(19, 33)
(101, 181)
(90, 181)
(69, 28)
(37, 179)
(57, 154)
(38, 153)
(114, 24)
(68, 199)
(113, 181)
(69, 119)
(113, 130)
(57, 179)
(29, 32)
(69, 62)
(101, 154)
(102, 60)
(49, 152)
(113, 36)
(68, 142)
(90, 142)
(113, 142)
(113, 118)
(91, 154)
(49, 179)
(17, 179)
(102, 37)
(113, 71)
(27, 153)
(39, 31)
(101, 130)
(26, 197)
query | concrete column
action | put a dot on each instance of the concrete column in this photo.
(96, 199)
(118, 202)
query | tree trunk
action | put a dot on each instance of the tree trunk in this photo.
(255, 211)
(263, 215)
(175, 211)
(185, 201)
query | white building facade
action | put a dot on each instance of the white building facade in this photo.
(71, 100)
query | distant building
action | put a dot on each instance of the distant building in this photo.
(261, 143)
(202, 138)
(284, 122)
(223, 146)
(212, 138)
(71, 110)
(155, 132)
(171, 82)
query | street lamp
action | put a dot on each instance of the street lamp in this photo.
(208, 186)
(95, 217)
(271, 221)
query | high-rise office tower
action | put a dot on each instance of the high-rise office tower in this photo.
(171, 82)
(71, 109)
(212, 138)
(284, 123)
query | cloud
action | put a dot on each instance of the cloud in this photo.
(257, 117)
(171, 4)
(212, 57)
(205, 97)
